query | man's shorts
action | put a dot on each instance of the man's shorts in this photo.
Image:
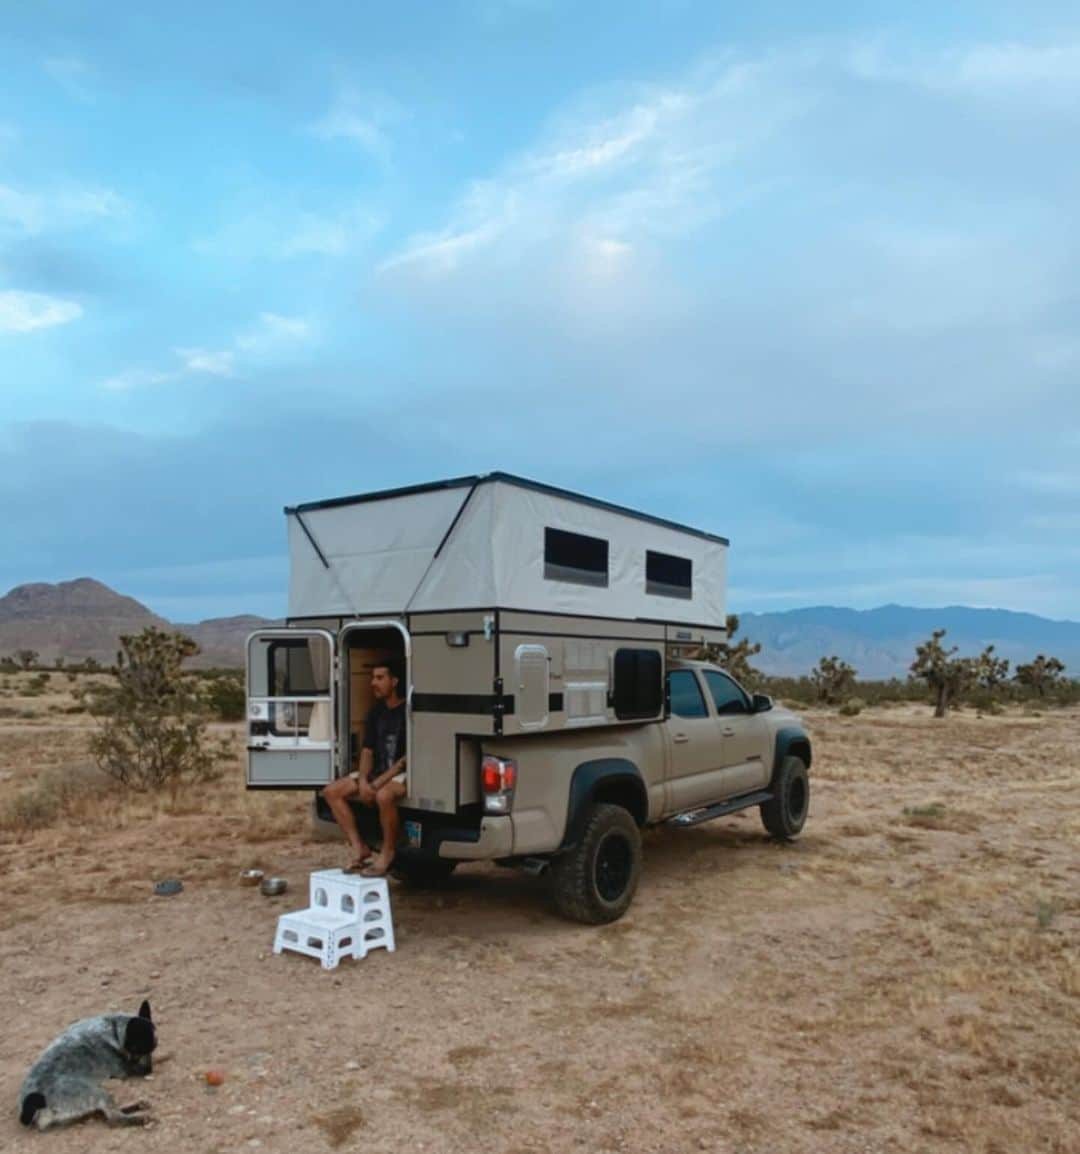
(355, 775)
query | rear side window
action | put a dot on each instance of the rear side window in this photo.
(668, 576)
(686, 699)
(575, 557)
(727, 696)
(639, 683)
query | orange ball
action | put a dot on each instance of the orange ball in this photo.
(215, 1077)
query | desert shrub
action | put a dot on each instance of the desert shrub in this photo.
(153, 718)
(226, 697)
(852, 707)
(51, 795)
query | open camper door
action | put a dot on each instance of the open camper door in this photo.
(291, 707)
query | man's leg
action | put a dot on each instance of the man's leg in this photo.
(387, 799)
(338, 794)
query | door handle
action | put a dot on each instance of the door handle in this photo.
(727, 731)
(680, 739)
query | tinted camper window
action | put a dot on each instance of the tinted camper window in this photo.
(668, 576)
(575, 557)
(639, 683)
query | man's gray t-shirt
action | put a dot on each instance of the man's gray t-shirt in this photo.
(384, 735)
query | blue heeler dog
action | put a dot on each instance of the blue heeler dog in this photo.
(64, 1084)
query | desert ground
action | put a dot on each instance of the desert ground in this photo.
(904, 977)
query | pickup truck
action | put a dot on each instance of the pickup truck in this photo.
(572, 804)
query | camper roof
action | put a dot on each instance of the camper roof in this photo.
(491, 541)
(508, 479)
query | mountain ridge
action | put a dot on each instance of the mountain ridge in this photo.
(85, 618)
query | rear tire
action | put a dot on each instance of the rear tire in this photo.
(595, 882)
(784, 814)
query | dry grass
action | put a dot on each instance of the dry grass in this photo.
(905, 977)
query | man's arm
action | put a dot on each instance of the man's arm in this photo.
(390, 774)
(367, 758)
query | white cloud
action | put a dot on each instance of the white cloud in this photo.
(268, 337)
(658, 166)
(20, 209)
(330, 234)
(1048, 73)
(271, 332)
(360, 119)
(73, 74)
(24, 312)
(53, 210)
(133, 379)
(215, 362)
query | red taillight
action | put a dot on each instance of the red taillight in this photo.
(498, 777)
(491, 775)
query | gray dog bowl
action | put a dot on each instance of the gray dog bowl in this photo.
(271, 887)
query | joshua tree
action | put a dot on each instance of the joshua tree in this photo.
(27, 658)
(833, 679)
(735, 658)
(153, 732)
(1042, 674)
(947, 675)
(990, 671)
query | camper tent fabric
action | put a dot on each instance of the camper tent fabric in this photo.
(382, 557)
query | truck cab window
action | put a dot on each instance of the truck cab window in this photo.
(727, 696)
(686, 698)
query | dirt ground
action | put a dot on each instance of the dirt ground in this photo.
(905, 977)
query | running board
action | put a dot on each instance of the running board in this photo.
(721, 809)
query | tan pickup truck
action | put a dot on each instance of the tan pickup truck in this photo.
(571, 805)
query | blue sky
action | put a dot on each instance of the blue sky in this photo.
(804, 275)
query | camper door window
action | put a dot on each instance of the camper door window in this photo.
(291, 674)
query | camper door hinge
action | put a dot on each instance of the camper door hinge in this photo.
(499, 708)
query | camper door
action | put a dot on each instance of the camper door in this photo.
(291, 699)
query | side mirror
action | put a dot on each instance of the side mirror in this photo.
(762, 703)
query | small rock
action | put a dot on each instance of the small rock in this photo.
(352, 1065)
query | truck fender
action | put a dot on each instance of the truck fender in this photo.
(791, 741)
(614, 779)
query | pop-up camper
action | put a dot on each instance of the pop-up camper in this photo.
(507, 602)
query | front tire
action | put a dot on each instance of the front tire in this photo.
(595, 882)
(784, 814)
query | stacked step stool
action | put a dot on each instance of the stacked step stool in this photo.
(349, 915)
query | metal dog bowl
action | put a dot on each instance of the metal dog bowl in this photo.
(271, 887)
(250, 877)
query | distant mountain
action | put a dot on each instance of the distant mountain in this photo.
(84, 618)
(881, 643)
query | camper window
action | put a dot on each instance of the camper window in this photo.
(639, 682)
(575, 557)
(668, 576)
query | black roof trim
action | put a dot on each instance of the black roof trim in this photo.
(385, 494)
(509, 479)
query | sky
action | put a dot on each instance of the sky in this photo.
(802, 275)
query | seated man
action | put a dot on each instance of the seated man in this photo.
(380, 780)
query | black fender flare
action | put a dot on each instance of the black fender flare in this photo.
(603, 776)
(794, 741)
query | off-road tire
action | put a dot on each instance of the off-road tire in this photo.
(595, 881)
(423, 873)
(784, 814)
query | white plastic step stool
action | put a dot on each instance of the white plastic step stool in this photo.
(349, 915)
